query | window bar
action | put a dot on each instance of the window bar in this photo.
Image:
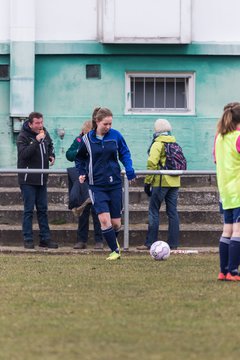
(175, 94)
(144, 92)
(133, 105)
(164, 93)
(185, 93)
(154, 92)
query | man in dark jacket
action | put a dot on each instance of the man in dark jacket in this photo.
(35, 151)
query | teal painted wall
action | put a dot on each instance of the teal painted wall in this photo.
(67, 98)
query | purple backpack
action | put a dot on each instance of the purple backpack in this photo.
(175, 160)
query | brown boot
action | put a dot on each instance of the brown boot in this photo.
(98, 246)
(79, 210)
(142, 247)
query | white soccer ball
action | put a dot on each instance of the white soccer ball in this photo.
(160, 250)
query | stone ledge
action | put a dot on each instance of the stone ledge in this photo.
(65, 250)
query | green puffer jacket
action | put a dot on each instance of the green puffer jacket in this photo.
(73, 150)
(156, 156)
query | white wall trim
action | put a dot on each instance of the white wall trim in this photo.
(178, 29)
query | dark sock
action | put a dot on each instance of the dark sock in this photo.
(110, 237)
(234, 255)
(223, 254)
(117, 231)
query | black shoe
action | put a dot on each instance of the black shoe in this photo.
(28, 245)
(48, 244)
(52, 245)
(173, 247)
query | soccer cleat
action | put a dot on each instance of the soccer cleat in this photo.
(230, 277)
(113, 256)
(221, 276)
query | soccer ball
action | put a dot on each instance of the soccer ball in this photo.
(160, 250)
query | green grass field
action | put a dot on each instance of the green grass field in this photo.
(82, 307)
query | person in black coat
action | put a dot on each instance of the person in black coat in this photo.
(35, 151)
(79, 200)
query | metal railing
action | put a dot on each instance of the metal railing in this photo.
(125, 186)
(151, 172)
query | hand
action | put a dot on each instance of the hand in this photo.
(51, 160)
(147, 189)
(132, 182)
(82, 178)
(41, 136)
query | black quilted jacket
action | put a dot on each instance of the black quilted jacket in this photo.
(33, 155)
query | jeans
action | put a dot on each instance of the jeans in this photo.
(35, 195)
(83, 225)
(170, 195)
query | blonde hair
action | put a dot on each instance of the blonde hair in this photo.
(99, 113)
(230, 118)
(87, 126)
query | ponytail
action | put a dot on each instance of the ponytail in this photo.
(99, 114)
(230, 118)
(95, 111)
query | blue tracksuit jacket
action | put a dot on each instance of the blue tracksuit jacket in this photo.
(101, 158)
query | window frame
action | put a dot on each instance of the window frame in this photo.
(190, 75)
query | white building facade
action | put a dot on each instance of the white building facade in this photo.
(177, 59)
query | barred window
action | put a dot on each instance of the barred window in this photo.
(169, 93)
